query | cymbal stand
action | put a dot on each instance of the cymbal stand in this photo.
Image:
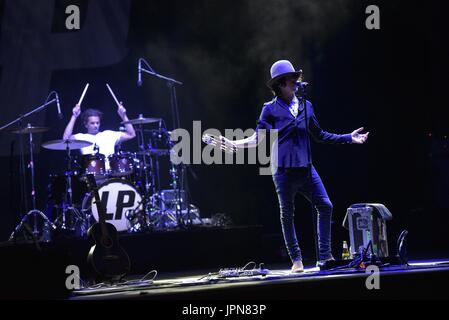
(185, 214)
(33, 212)
(165, 218)
(154, 187)
(143, 175)
(176, 186)
(6, 126)
(171, 84)
(22, 172)
(141, 146)
(157, 217)
(68, 203)
(155, 176)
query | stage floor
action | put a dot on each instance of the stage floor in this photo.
(187, 265)
(423, 279)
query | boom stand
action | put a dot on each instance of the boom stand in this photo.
(171, 84)
(34, 211)
(146, 200)
(302, 95)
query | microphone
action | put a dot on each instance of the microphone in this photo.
(301, 84)
(58, 105)
(160, 128)
(139, 74)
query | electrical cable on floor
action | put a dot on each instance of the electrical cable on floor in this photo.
(237, 272)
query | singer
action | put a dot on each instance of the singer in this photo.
(106, 140)
(286, 114)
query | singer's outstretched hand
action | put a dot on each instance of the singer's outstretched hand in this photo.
(358, 137)
(76, 110)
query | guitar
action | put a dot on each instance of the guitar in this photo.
(107, 258)
(219, 141)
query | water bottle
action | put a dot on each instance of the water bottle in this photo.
(345, 253)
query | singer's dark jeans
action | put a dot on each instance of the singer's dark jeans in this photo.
(290, 181)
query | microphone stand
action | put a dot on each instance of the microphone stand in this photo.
(22, 157)
(303, 95)
(33, 211)
(171, 84)
(21, 117)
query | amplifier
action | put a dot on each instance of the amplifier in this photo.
(367, 222)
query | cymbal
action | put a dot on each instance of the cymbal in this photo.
(63, 144)
(31, 129)
(141, 120)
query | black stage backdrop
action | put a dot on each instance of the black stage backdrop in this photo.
(390, 81)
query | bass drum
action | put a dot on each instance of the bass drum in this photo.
(119, 197)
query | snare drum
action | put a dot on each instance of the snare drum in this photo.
(94, 164)
(119, 197)
(121, 164)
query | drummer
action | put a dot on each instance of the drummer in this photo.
(103, 142)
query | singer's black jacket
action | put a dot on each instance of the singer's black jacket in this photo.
(292, 137)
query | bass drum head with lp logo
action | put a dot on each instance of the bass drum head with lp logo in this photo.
(118, 196)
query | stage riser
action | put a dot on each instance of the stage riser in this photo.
(33, 273)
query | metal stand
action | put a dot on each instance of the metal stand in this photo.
(67, 208)
(21, 117)
(302, 95)
(33, 212)
(161, 218)
(178, 178)
(139, 216)
(144, 170)
(22, 172)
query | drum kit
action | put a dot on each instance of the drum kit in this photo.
(128, 185)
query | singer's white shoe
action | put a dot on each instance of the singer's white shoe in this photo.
(297, 267)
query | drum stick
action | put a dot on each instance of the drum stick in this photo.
(113, 95)
(82, 96)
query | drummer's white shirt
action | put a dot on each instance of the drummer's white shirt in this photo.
(105, 140)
